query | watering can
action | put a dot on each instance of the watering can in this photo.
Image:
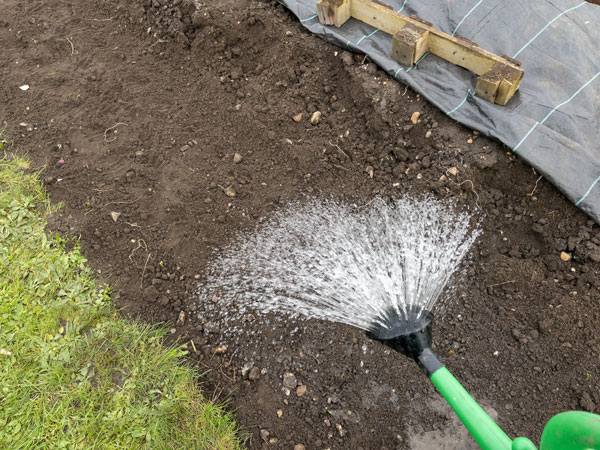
(572, 430)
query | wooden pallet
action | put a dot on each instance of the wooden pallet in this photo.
(499, 77)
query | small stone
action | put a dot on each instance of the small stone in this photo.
(301, 390)
(151, 293)
(184, 148)
(115, 215)
(279, 412)
(264, 434)
(347, 58)
(565, 256)
(289, 380)
(221, 349)
(229, 191)
(545, 325)
(254, 374)
(237, 158)
(181, 318)
(369, 170)
(198, 20)
(24, 87)
(428, 134)
(453, 171)
(414, 118)
(297, 117)
(469, 141)
(316, 117)
(299, 447)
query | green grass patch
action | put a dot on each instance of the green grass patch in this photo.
(73, 374)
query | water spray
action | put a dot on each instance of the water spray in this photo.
(382, 269)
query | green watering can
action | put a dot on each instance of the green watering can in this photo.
(573, 430)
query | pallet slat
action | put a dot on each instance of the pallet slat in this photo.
(499, 76)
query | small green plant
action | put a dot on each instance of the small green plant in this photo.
(73, 374)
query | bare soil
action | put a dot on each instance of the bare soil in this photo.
(138, 108)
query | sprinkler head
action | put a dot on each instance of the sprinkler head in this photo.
(411, 337)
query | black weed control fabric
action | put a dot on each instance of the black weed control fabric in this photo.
(552, 122)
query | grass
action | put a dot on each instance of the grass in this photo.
(73, 374)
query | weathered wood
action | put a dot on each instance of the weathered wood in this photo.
(333, 12)
(409, 44)
(499, 77)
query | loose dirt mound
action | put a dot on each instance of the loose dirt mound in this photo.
(139, 110)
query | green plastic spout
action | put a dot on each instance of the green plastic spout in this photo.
(487, 434)
(572, 430)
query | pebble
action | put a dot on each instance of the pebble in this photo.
(428, 134)
(301, 390)
(115, 215)
(184, 148)
(414, 118)
(316, 117)
(289, 380)
(297, 117)
(151, 293)
(299, 447)
(565, 256)
(237, 158)
(254, 374)
(181, 318)
(229, 191)
(347, 58)
(279, 412)
(264, 434)
(453, 171)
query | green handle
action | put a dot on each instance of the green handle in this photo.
(484, 430)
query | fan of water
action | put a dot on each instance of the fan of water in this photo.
(369, 267)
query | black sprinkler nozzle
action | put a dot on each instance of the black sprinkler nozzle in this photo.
(411, 338)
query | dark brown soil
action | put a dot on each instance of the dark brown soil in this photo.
(138, 108)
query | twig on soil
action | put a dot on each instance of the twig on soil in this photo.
(472, 188)
(141, 244)
(535, 187)
(144, 270)
(99, 20)
(160, 41)
(337, 165)
(121, 203)
(72, 46)
(112, 128)
(339, 148)
(500, 284)
(405, 89)
(133, 225)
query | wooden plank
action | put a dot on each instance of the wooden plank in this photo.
(333, 12)
(409, 44)
(413, 37)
